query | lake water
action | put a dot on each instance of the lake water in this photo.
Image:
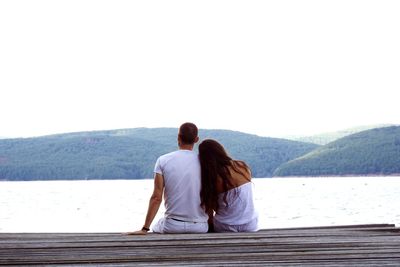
(121, 205)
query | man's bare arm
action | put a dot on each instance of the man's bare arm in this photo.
(154, 204)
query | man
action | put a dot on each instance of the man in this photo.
(177, 176)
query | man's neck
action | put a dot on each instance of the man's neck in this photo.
(186, 147)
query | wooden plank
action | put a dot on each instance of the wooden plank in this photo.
(355, 245)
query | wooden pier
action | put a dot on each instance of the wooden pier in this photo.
(356, 245)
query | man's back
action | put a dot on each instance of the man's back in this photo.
(181, 172)
(178, 178)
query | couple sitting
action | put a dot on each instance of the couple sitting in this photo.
(203, 193)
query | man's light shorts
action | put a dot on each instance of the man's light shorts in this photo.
(172, 226)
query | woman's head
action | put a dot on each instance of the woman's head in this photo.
(212, 152)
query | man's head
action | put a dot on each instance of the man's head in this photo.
(188, 134)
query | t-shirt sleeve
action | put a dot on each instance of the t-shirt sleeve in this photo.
(157, 167)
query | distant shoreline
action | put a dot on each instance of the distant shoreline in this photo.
(341, 176)
(394, 175)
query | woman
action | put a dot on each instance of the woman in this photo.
(226, 190)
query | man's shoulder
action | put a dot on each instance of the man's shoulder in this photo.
(177, 154)
(169, 155)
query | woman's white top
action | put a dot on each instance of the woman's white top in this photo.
(240, 208)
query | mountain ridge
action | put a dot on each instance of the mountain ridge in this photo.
(370, 152)
(129, 153)
(327, 137)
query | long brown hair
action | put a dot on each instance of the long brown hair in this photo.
(216, 163)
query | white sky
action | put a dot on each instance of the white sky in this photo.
(272, 68)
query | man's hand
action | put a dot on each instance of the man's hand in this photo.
(140, 232)
(154, 204)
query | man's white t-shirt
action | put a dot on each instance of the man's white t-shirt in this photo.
(182, 180)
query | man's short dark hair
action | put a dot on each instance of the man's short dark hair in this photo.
(188, 133)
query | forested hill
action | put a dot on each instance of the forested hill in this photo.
(129, 153)
(325, 138)
(371, 152)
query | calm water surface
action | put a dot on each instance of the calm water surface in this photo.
(120, 205)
